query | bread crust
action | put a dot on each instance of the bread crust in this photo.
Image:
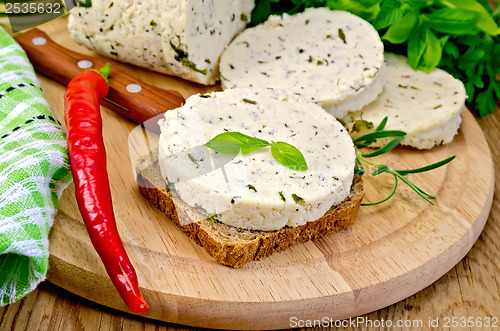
(232, 246)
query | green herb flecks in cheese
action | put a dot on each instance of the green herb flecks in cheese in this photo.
(333, 58)
(253, 190)
(179, 37)
(425, 106)
(183, 57)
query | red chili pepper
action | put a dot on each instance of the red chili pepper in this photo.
(88, 166)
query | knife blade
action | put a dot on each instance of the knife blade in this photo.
(128, 96)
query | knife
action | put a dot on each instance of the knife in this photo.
(128, 96)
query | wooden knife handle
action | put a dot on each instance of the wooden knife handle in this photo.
(128, 96)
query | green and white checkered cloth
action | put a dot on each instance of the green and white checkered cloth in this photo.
(34, 170)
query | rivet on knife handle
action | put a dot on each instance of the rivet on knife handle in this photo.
(128, 96)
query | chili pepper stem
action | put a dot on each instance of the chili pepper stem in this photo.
(105, 71)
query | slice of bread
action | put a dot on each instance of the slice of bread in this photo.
(232, 246)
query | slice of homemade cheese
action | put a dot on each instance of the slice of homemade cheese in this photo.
(179, 37)
(333, 58)
(426, 106)
(254, 191)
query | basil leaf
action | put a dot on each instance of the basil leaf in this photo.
(417, 42)
(389, 13)
(400, 31)
(454, 21)
(485, 21)
(224, 147)
(424, 48)
(365, 9)
(289, 156)
(261, 12)
(235, 142)
(433, 53)
(226, 142)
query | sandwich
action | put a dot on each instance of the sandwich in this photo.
(246, 206)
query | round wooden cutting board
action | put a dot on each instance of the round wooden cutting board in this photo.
(392, 250)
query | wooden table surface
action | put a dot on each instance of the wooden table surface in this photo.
(470, 289)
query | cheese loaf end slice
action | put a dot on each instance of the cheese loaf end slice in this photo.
(426, 106)
(184, 38)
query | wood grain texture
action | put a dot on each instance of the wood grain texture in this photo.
(471, 288)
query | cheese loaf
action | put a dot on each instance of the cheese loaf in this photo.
(184, 38)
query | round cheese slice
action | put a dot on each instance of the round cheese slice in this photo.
(254, 191)
(426, 106)
(333, 58)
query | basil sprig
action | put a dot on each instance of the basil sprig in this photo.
(399, 175)
(236, 142)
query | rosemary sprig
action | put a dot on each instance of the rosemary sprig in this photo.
(399, 175)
